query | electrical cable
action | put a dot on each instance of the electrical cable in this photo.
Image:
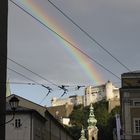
(87, 34)
(65, 92)
(78, 49)
(45, 97)
(48, 88)
(23, 75)
(21, 83)
(31, 71)
(62, 87)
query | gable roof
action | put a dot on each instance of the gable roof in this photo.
(23, 110)
(31, 106)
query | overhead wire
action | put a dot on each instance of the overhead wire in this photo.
(32, 71)
(62, 87)
(49, 91)
(23, 75)
(88, 35)
(21, 83)
(47, 87)
(78, 49)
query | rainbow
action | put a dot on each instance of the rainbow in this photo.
(36, 10)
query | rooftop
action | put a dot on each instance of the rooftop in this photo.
(132, 73)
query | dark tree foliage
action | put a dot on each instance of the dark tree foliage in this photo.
(105, 120)
(79, 116)
(75, 131)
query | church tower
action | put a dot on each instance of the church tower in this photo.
(82, 135)
(92, 129)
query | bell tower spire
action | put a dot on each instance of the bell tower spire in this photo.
(92, 121)
(92, 129)
(82, 135)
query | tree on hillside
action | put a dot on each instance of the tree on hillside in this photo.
(79, 116)
(105, 120)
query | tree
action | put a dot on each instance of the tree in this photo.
(105, 120)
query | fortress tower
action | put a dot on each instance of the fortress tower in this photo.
(92, 94)
(109, 90)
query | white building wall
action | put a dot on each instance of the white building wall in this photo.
(92, 95)
(116, 93)
(88, 96)
(66, 121)
(74, 100)
(59, 102)
(21, 133)
(109, 90)
(80, 100)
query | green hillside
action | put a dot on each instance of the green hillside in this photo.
(105, 120)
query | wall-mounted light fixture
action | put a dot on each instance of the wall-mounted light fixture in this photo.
(13, 102)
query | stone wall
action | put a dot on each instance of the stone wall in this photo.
(92, 94)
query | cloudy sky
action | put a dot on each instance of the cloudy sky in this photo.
(113, 24)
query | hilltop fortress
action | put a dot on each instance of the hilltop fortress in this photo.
(92, 94)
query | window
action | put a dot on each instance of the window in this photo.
(137, 103)
(17, 123)
(137, 125)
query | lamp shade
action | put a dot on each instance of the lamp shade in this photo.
(14, 101)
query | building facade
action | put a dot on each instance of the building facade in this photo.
(27, 125)
(33, 122)
(92, 94)
(130, 105)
